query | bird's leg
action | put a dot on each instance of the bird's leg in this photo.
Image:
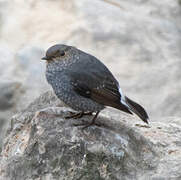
(90, 124)
(88, 113)
(93, 121)
(75, 115)
(78, 115)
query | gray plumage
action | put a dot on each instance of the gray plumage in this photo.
(84, 83)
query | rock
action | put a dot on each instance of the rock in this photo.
(22, 80)
(42, 144)
(3, 125)
(8, 94)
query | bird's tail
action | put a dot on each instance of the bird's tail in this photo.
(137, 109)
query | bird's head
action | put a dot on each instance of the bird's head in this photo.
(58, 52)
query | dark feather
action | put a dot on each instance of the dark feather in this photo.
(91, 79)
(137, 109)
(101, 92)
(81, 88)
(107, 98)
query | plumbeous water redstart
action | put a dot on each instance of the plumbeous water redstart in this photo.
(85, 84)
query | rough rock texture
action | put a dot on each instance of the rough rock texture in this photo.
(21, 80)
(42, 144)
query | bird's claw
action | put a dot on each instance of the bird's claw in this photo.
(77, 115)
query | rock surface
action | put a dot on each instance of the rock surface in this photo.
(10, 92)
(42, 144)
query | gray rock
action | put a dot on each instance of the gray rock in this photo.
(3, 125)
(9, 96)
(42, 144)
(22, 80)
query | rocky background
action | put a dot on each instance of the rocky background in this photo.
(138, 40)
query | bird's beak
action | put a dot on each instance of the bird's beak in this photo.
(44, 58)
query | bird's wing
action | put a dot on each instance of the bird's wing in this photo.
(97, 84)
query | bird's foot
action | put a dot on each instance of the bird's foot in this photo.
(84, 123)
(77, 115)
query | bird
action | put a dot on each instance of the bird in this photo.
(85, 84)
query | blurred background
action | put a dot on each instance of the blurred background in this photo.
(138, 40)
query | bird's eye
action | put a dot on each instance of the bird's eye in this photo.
(62, 53)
